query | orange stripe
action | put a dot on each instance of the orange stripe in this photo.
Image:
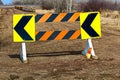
(74, 17)
(36, 32)
(46, 35)
(61, 35)
(45, 17)
(60, 17)
(75, 35)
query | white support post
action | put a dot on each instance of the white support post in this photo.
(88, 46)
(23, 55)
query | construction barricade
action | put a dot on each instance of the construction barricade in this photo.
(24, 29)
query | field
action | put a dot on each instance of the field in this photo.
(61, 60)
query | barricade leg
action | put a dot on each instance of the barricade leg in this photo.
(23, 55)
(88, 46)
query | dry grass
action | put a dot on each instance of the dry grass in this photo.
(61, 60)
(40, 11)
(110, 13)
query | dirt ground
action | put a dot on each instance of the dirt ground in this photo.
(60, 60)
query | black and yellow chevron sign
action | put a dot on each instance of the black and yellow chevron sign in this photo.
(90, 25)
(23, 28)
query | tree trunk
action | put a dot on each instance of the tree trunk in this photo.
(1, 2)
(59, 5)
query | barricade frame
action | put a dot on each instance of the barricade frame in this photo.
(23, 52)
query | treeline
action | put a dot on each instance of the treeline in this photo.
(57, 5)
(26, 2)
(98, 5)
(63, 5)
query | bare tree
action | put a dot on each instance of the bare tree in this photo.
(23, 2)
(47, 4)
(97, 5)
(1, 2)
(69, 5)
(59, 5)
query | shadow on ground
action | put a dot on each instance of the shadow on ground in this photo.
(49, 54)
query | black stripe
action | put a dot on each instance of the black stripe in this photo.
(19, 28)
(87, 25)
(79, 37)
(69, 34)
(39, 35)
(53, 36)
(52, 17)
(67, 17)
(78, 19)
(37, 17)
